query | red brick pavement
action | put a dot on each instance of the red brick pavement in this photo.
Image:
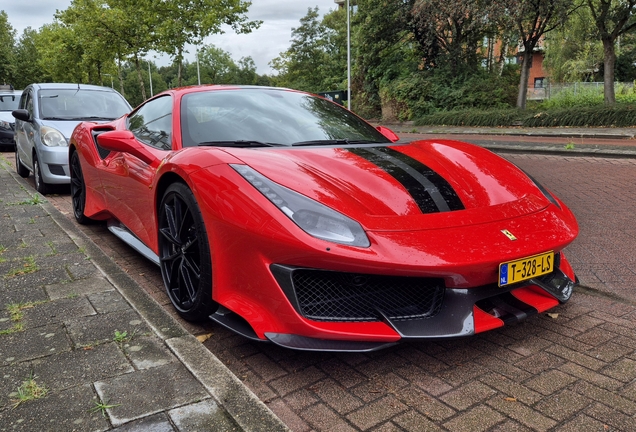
(574, 370)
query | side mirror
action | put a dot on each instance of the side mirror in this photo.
(125, 142)
(388, 133)
(21, 114)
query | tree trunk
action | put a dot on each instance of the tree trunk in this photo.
(523, 80)
(141, 79)
(608, 74)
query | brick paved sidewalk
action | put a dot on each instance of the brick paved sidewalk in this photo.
(572, 370)
(82, 347)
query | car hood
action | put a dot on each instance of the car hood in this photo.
(64, 126)
(6, 116)
(429, 183)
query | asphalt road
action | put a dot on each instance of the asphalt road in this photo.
(572, 370)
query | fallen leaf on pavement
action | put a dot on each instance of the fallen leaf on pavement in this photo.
(202, 338)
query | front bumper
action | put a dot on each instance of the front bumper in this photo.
(462, 312)
(54, 165)
(7, 137)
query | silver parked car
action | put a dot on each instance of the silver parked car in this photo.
(45, 119)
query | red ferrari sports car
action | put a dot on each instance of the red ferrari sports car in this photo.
(287, 218)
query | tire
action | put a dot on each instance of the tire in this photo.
(78, 190)
(19, 168)
(40, 186)
(184, 254)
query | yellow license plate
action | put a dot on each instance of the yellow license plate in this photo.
(526, 268)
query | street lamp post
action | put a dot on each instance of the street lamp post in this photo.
(347, 4)
(150, 79)
(349, 57)
(198, 72)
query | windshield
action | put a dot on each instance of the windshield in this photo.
(9, 102)
(81, 104)
(271, 116)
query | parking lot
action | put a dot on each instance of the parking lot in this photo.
(573, 369)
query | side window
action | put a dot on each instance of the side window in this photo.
(26, 102)
(152, 123)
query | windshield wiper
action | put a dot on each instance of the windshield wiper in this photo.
(332, 142)
(95, 118)
(240, 143)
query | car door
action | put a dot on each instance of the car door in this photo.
(127, 181)
(25, 132)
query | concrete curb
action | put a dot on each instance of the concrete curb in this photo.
(228, 391)
(560, 151)
(563, 132)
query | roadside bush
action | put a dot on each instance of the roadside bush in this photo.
(427, 92)
(587, 96)
(489, 118)
(621, 115)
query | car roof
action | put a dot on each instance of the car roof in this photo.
(9, 92)
(63, 86)
(217, 87)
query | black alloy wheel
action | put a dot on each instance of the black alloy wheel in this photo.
(40, 186)
(19, 167)
(184, 254)
(78, 190)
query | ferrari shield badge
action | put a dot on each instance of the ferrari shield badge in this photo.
(508, 234)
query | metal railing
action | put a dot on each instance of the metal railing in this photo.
(550, 90)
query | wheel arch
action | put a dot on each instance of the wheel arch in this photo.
(163, 183)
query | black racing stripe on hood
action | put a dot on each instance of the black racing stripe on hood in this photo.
(431, 192)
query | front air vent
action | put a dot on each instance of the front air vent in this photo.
(354, 297)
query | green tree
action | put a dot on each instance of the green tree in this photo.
(100, 48)
(613, 18)
(216, 66)
(27, 60)
(190, 21)
(385, 50)
(59, 53)
(299, 66)
(451, 32)
(573, 52)
(317, 58)
(131, 83)
(532, 19)
(7, 42)
(127, 27)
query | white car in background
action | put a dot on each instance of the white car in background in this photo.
(9, 100)
(45, 119)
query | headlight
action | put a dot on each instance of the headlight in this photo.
(312, 217)
(52, 137)
(5, 125)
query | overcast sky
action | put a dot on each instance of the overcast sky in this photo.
(278, 16)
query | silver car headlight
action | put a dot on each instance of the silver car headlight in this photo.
(52, 137)
(314, 218)
(5, 125)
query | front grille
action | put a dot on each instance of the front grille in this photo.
(334, 296)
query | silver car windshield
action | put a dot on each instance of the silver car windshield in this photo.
(269, 117)
(81, 104)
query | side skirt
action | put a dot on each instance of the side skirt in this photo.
(131, 240)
